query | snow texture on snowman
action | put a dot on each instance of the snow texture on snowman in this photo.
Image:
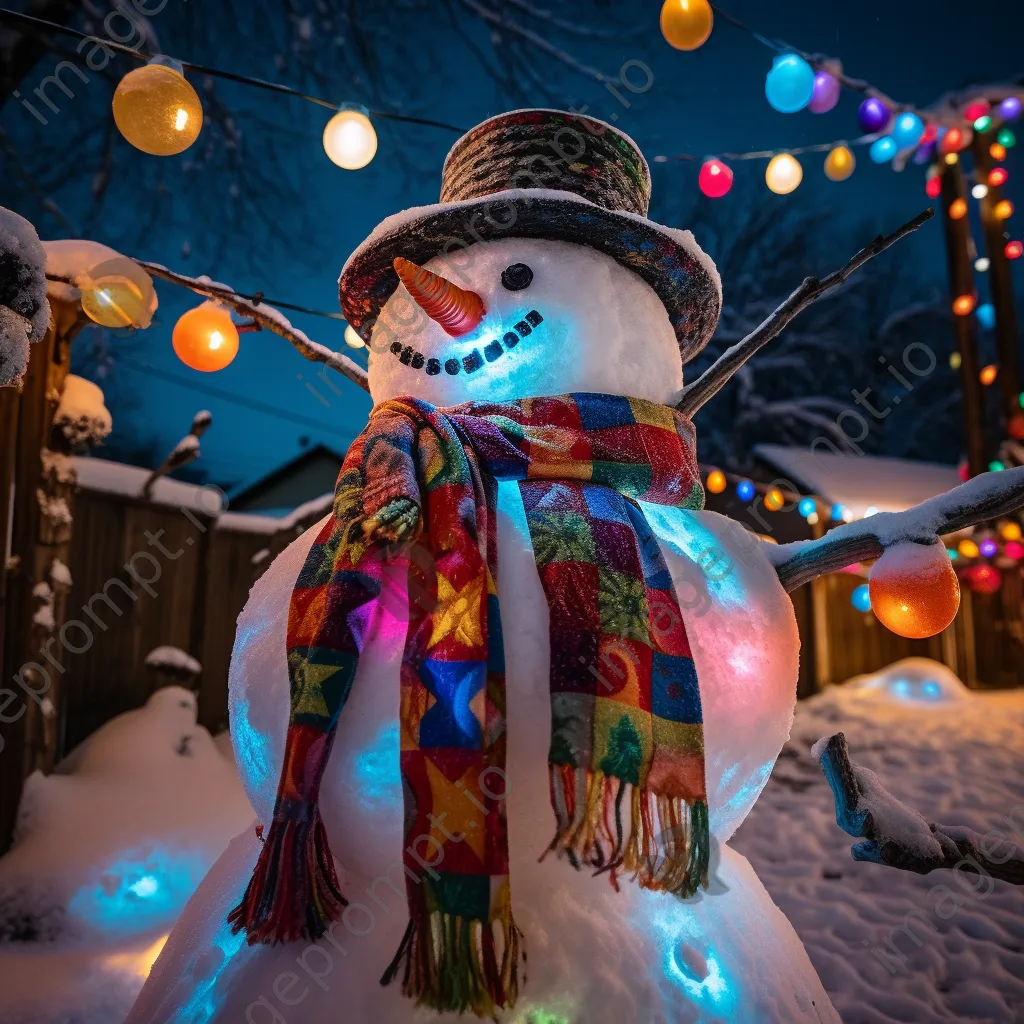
(502, 711)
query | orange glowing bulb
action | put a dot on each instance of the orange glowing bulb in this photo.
(1011, 531)
(686, 24)
(957, 209)
(914, 590)
(205, 338)
(968, 548)
(774, 500)
(1003, 210)
(716, 482)
(964, 305)
(988, 374)
(997, 151)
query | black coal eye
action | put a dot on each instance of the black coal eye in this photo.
(517, 277)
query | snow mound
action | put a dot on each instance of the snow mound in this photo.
(912, 679)
(173, 658)
(112, 846)
(891, 945)
(24, 311)
(82, 415)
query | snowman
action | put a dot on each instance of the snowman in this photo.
(501, 712)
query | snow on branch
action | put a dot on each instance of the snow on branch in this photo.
(987, 496)
(716, 376)
(896, 835)
(24, 310)
(265, 316)
(184, 452)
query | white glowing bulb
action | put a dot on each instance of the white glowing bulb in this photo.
(783, 173)
(180, 119)
(812, 518)
(349, 139)
(979, 191)
(981, 264)
(352, 339)
(216, 339)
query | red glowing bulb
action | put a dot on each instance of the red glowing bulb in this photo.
(933, 186)
(1014, 250)
(997, 176)
(979, 108)
(931, 133)
(952, 141)
(715, 179)
(1014, 550)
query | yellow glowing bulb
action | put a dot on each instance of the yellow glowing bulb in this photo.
(1011, 531)
(117, 293)
(955, 359)
(1003, 210)
(774, 500)
(839, 164)
(716, 482)
(783, 174)
(349, 139)
(686, 24)
(157, 110)
(968, 549)
(952, 158)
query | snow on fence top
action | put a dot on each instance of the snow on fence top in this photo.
(82, 415)
(859, 482)
(168, 657)
(245, 522)
(115, 478)
(24, 311)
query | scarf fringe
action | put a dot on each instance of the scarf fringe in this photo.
(293, 893)
(666, 847)
(453, 964)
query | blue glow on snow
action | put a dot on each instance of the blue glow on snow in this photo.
(378, 778)
(253, 754)
(683, 532)
(139, 892)
(227, 952)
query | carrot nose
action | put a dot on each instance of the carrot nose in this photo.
(456, 309)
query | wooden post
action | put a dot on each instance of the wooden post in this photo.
(1000, 281)
(961, 282)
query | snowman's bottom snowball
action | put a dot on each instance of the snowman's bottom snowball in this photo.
(594, 956)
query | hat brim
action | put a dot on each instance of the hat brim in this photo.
(682, 275)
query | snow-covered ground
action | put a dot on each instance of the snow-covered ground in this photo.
(954, 755)
(107, 852)
(957, 757)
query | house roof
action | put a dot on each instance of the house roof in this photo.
(250, 492)
(860, 482)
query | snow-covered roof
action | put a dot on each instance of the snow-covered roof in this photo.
(860, 482)
(116, 478)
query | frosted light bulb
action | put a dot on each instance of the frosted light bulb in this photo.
(349, 139)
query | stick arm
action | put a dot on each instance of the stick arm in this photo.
(986, 497)
(915, 844)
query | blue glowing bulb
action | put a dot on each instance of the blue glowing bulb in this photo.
(907, 130)
(883, 149)
(837, 513)
(790, 84)
(806, 507)
(861, 598)
(986, 315)
(745, 490)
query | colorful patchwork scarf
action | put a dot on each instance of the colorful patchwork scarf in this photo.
(626, 761)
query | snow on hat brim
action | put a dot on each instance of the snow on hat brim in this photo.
(682, 275)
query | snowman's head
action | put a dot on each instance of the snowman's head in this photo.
(522, 318)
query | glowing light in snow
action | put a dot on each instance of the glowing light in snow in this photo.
(145, 886)
(139, 964)
(377, 773)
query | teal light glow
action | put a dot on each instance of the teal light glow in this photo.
(143, 890)
(253, 753)
(378, 777)
(682, 531)
(225, 957)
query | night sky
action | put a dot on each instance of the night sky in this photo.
(700, 103)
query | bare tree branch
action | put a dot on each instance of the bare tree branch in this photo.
(268, 317)
(986, 497)
(184, 452)
(919, 846)
(709, 383)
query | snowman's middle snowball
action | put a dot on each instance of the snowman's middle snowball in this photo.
(604, 330)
